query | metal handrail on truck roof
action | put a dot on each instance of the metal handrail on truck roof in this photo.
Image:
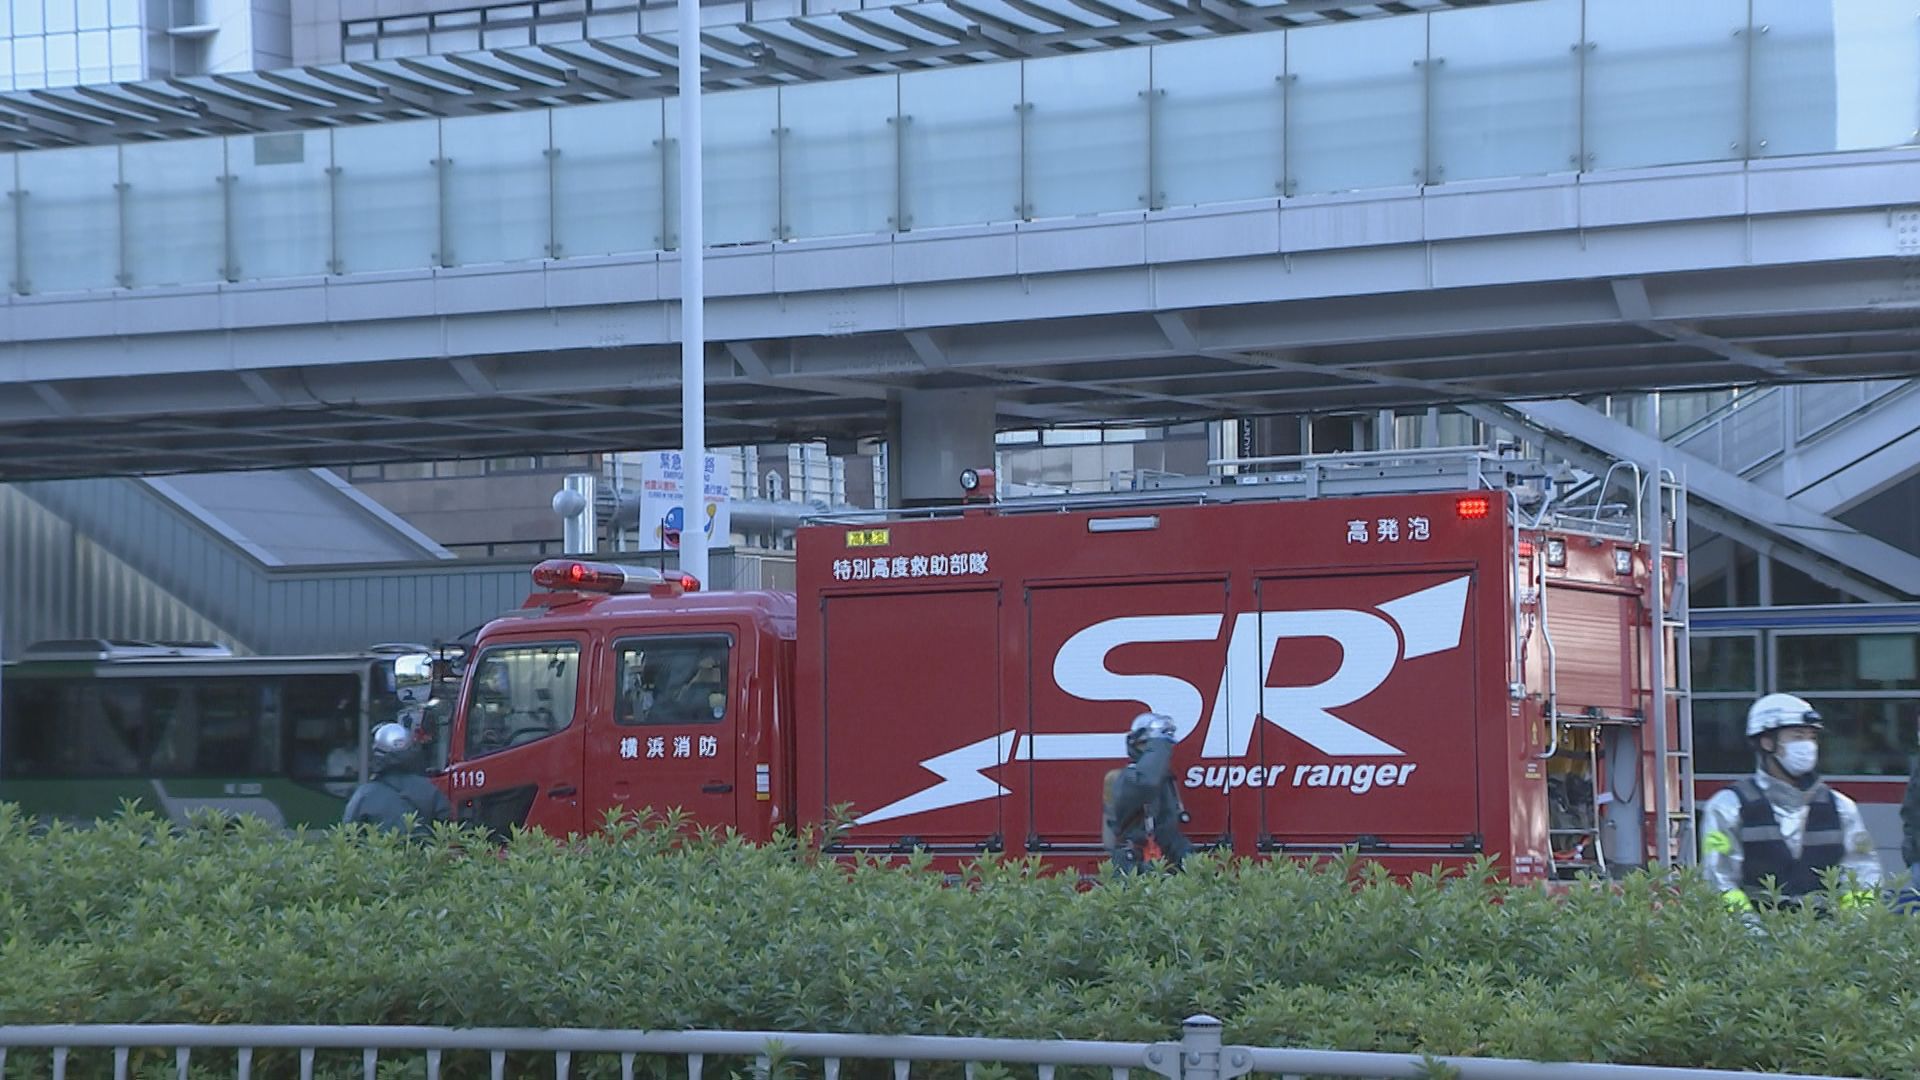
(1311, 476)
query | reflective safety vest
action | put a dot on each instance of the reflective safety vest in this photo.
(1765, 853)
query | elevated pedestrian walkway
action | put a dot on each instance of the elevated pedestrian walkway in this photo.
(1490, 202)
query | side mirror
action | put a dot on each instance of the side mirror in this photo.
(413, 678)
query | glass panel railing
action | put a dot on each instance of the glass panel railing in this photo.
(1681, 411)
(609, 179)
(1703, 443)
(70, 219)
(1751, 429)
(961, 146)
(1086, 147)
(1665, 82)
(498, 184)
(741, 163)
(1794, 83)
(1219, 120)
(387, 197)
(1356, 106)
(1706, 435)
(1822, 405)
(282, 204)
(839, 169)
(1754, 433)
(1819, 406)
(1507, 90)
(1835, 75)
(174, 206)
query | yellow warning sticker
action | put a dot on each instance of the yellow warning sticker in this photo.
(1717, 843)
(857, 538)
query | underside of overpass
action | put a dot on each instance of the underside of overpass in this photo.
(1782, 271)
(486, 384)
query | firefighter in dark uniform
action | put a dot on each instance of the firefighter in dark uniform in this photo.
(1782, 825)
(1908, 901)
(399, 797)
(1141, 799)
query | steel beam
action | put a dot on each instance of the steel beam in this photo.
(1637, 309)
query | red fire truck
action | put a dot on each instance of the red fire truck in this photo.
(1417, 656)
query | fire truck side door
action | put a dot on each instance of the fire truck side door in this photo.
(1368, 685)
(1098, 655)
(517, 753)
(665, 736)
(911, 680)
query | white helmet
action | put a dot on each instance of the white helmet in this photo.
(1776, 711)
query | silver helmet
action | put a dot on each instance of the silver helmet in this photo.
(392, 746)
(1145, 728)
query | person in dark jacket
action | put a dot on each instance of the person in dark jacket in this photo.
(1909, 899)
(399, 796)
(1141, 800)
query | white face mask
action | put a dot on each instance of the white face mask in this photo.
(1798, 758)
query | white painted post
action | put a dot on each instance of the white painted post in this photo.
(693, 329)
(1200, 1048)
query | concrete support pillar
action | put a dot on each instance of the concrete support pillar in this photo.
(931, 436)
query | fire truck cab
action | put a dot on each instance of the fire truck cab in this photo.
(1417, 655)
(621, 688)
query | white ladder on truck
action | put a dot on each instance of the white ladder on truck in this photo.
(1673, 800)
(1660, 522)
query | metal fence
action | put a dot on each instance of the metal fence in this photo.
(1199, 1055)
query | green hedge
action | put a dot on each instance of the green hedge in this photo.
(135, 921)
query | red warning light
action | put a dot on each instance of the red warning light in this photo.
(610, 578)
(1472, 507)
(676, 585)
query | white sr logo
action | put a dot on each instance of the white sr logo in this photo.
(1419, 623)
(1428, 621)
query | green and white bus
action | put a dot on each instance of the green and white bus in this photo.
(179, 726)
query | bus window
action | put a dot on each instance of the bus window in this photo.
(323, 729)
(173, 739)
(239, 728)
(30, 742)
(76, 729)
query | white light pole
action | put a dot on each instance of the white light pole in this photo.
(693, 329)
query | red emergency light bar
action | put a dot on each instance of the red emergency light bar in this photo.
(1473, 507)
(611, 578)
